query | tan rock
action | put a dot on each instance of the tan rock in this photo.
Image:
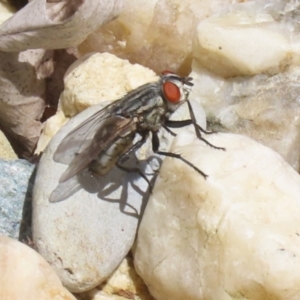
(6, 151)
(26, 275)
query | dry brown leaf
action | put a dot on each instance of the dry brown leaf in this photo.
(62, 59)
(21, 99)
(55, 24)
(30, 85)
(31, 81)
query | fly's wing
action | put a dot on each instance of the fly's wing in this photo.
(81, 136)
(110, 130)
(64, 190)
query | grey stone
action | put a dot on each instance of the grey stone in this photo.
(86, 236)
(16, 181)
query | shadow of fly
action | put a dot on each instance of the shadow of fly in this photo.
(106, 139)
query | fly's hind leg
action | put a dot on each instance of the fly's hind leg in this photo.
(124, 157)
(155, 147)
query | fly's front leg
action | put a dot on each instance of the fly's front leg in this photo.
(122, 159)
(155, 148)
(168, 130)
(198, 128)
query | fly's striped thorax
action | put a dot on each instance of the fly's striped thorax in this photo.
(141, 100)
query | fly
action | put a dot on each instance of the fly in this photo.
(106, 139)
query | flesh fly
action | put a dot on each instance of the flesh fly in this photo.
(106, 139)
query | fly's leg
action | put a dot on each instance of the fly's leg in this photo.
(198, 128)
(169, 130)
(155, 148)
(178, 124)
(122, 159)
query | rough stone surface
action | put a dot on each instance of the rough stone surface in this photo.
(26, 275)
(16, 181)
(234, 235)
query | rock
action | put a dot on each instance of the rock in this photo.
(6, 11)
(16, 177)
(265, 108)
(248, 39)
(6, 151)
(157, 34)
(235, 234)
(123, 284)
(85, 237)
(26, 275)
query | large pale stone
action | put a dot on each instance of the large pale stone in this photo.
(248, 39)
(26, 275)
(265, 108)
(235, 235)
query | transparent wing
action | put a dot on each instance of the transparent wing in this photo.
(111, 129)
(64, 190)
(82, 136)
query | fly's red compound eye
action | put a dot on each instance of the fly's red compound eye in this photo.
(166, 72)
(171, 91)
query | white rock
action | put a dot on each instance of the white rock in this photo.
(234, 235)
(26, 275)
(248, 39)
(265, 108)
(229, 48)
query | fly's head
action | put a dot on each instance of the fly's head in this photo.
(175, 89)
